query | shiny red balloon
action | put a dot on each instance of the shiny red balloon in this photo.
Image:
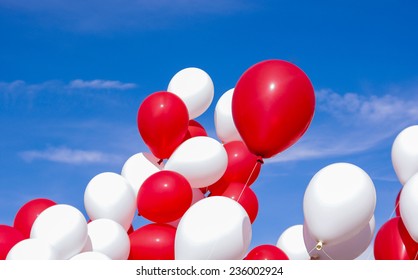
(164, 197)
(266, 252)
(244, 196)
(163, 121)
(393, 242)
(272, 106)
(28, 213)
(9, 237)
(152, 242)
(195, 129)
(243, 166)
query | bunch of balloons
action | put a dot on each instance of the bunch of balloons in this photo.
(397, 239)
(194, 189)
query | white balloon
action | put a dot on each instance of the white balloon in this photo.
(32, 249)
(63, 227)
(201, 160)
(338, 202)
(405, 153)
(408, 204)
(346, 250)
(87, 256)
(138, 168)
(224, 122)
(109, 195)
(215, 228)
(291, 242)
(195, 87)
(109, 238)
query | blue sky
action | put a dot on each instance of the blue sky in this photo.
(73, 74)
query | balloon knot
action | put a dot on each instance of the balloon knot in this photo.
(319, 246)
(260, 160)
(160, 161)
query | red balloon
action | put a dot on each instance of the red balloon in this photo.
(164, 197)
(28, 213)
(244, 196)
(162, 122)
(272, 106)
(266, 252)
(241, 163)
(397, 207)
(195, 129)
(152, 242)
(9, 237)
(393, 242)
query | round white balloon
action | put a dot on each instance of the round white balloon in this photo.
(63, 227)
(224, 122)
(215, 228)
(405, 153)
(32, 249)
(109, 195)
(195, 87)
(138, 168)
(201, 160)
(109, 238)
(93, 256)
(345, 250)
(338, 202)
(291, 242)
(408, 204)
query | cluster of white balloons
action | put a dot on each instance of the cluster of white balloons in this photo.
(405, 163)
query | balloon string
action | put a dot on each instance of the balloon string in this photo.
(259, 161)
(416, 256)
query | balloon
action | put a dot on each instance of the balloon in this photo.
(266, 252)
(224, 123)
(109, 195)
(152, 242)
(243, 166)
(9, 237)
(272, 106)
(197, 196)
(405, 153)
(138, 168)
(164, 197)
(28, 213)
(109, 238)
(393, 242)
(201, 160)
(94, 256)
(195, 129)
(63, 227)
(195, 87)
(244, 196)
(338, 202)
(214, 228)
(292, 244)
(345, 250)
(409, 206)
(162, 122)
(32, 249)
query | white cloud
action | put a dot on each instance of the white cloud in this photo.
(351, 123)
(100, 84)
(69, 156)
(95, 15)
(19, 86)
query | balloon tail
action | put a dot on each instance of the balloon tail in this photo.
(160, 161)
(319, 246)
(259, 161)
